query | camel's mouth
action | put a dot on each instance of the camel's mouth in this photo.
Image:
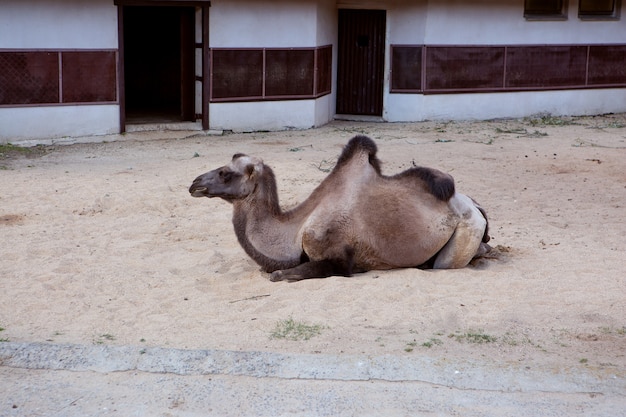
(200, 192)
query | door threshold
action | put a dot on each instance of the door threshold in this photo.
(149, 127)
(359, 118)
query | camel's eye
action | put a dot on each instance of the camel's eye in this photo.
(226, 175)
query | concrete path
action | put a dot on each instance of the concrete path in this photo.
(38, 379)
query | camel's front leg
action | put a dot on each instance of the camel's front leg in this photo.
(317, 269)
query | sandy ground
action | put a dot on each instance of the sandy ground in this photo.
(102, 244)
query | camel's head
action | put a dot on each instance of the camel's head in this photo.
(231, 182)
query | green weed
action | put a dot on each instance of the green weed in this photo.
(432, 342)
(549, 120)
(477, 337)
(410, 346)
(101, 339)
(290, 329)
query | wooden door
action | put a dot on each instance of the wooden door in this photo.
(361, 62)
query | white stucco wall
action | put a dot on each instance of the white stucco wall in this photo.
(263, 115)
(327, 35)
(262, 24)
(61, 24)
(494, 22)
(406, 23)
(49, 122)
(82, 24)
(68, 24)
(277, 24)
(409, 107)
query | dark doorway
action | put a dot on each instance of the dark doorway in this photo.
(361, 62)
(159, 53)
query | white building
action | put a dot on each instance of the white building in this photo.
(78, 67)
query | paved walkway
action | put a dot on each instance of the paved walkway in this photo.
(38, 379)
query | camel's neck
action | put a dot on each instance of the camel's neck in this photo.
(267, 234)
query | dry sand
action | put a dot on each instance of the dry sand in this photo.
(102, 244)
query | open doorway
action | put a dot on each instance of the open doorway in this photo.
(159, 69)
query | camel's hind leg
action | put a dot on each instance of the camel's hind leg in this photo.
(467, 240)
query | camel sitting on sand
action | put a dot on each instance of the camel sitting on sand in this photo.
(356, 220)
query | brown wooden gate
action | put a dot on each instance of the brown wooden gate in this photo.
(361, 62)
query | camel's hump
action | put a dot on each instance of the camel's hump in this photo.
(358, 144)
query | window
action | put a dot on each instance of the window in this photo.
(406, 68)
(289, 72)
(270, 74)
(29, 77)
(598, 9)
(464, 68)
(57, 77)
(237, 73)
(546, 9)
(89, 76)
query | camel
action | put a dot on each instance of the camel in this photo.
(356, 220)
